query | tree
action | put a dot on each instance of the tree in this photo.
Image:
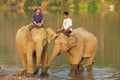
(37, 2)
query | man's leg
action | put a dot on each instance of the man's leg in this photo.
(31, 27)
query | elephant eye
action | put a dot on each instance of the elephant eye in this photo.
(61, 45)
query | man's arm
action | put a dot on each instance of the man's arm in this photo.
(69, 27)
(33, 20)
(42, 22)
(62, 28)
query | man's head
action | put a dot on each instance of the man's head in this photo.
(65, 14)
(37, 10)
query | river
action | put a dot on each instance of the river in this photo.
(105, 25)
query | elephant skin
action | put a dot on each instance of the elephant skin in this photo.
(81, 44)
(32, 47)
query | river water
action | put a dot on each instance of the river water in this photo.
(105, 25)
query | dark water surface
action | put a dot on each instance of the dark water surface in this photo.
(105, 25)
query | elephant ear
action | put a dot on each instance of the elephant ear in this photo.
(71, 42)
(50, 34)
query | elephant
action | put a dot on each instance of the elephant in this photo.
(80, 44)
(32, 48)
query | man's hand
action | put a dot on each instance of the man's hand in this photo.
(39, 25)
(58, 30)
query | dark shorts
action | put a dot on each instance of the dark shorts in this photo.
(67, 32)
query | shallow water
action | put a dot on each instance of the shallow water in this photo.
(105, 25)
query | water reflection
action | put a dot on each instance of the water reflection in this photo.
(105, 25)
(97, 74)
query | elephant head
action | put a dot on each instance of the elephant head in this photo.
(62, 43)
(41, 34)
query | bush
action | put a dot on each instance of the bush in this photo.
(92, 4)
(12, 4)
(117, 5)
(60, 3)
(37, 3)
(83, 5)
(29, 3)
(76, 3)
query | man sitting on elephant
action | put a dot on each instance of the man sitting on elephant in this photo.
(37, 19)
(67, 25)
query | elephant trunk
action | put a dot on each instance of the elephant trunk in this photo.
(39, 50)
(55, 52)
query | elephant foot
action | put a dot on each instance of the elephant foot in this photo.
(89, 68)
(29, 75)
(20, 73)
(73, 70)
(37, 70)
(80, 69)
(44, 74)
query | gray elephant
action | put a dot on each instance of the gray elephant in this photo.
(32, 48)
(81, 44)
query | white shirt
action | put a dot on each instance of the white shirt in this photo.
(67, 23)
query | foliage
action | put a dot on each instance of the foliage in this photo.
(117, 5)
(76, 3)
(12, 4)
(1, 7)
(93, 4)
(72, 6)
(29, 3)
(37, 2)
(58, 3)
(83, 5)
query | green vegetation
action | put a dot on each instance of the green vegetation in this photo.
(117, 5)
(93, 5)
(30, 3)
(12, 4)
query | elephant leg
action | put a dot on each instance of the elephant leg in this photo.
(80, 67)
(44, 63)
(73, 69)
(30, 64)
(24, 64)
(90, 59)
(75, 57)
(24, 61)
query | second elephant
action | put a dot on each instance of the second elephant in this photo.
(81, 44)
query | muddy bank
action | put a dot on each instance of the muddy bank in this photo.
(7, 74)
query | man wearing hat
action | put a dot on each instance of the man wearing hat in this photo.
(37, 19)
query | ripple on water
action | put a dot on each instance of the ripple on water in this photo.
(96, 74)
